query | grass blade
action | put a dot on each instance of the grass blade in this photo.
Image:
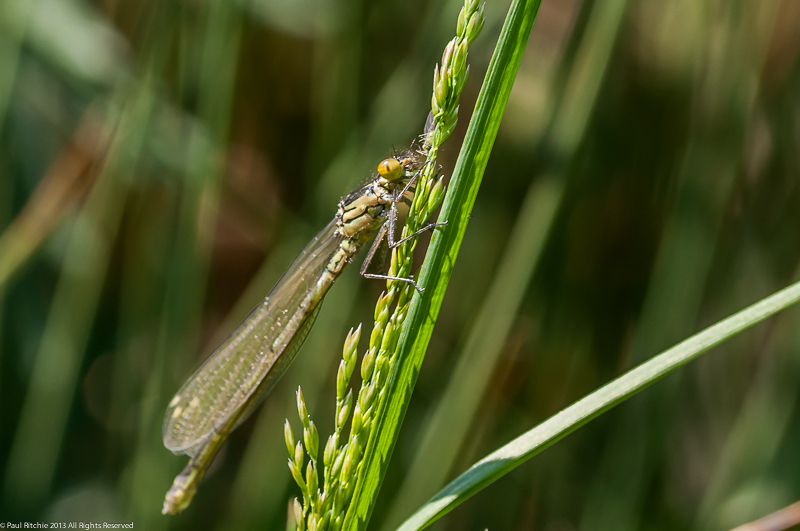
(683, 268)
(442, 253)
(448, 427)
(513, 454)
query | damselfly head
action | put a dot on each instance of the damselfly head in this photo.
(391, 169)
(402, 166)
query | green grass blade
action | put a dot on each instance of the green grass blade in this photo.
(513, 454)
(692, 237)
(441, 256)
(448, 426)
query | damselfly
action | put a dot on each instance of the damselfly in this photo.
(238, 375)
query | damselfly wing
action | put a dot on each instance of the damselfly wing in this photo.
(254, 357)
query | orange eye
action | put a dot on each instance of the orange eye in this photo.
(390, 169)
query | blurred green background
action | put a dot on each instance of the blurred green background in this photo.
(161, 163)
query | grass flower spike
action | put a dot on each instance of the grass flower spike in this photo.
(326, 508)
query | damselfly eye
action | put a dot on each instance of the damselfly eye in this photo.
(390, 169)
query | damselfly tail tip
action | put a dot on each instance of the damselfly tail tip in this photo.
(182, 491)
(177, 500)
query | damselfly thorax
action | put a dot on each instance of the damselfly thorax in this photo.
(373, 207)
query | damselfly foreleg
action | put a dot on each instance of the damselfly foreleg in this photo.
(392, 215)
(387, 231)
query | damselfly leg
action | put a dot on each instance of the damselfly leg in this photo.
(387, 231)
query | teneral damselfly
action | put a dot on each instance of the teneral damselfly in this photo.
(236, 378)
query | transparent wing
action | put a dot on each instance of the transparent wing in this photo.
(279, 367)
(430, 124)
(254, 357)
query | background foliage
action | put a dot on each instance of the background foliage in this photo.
(162, 162)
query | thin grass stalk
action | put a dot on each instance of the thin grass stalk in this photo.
(441, 256)
(706, 180)
(531, 443)
(326, 508)
(449, 424)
